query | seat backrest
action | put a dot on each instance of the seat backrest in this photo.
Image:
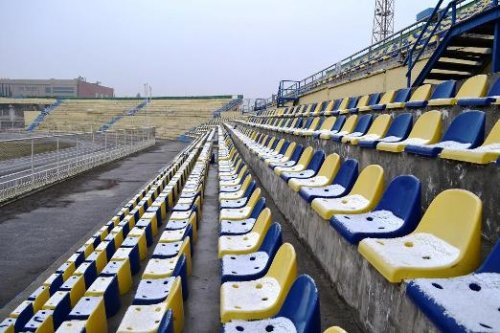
(254, 197)
(329, 105)
(293, 123)
(422, 93)
(330, 166)
(428, 126)
(402, 95)
(353, 101)
(401, 126)
(454, 216)
(494, 136)
(284, 266)
(370, 182)
(475, 86)
(279, 145)
(328, 123)
(363, 101)
(374, 99)
(272, 241)
(316, 160)
(297, 152)
(336, 104)
(380, 125)
(314, 123)
(339, 122)
(350, 123)
(290, 149)
(246, 182)
(363, 123)
(284, 147)
(492, 262)
(307, 123)
(467, 127)
(343, 104)
(259, 206)
(301, 305)
(347, 175)
(263, 222)
(250, 189)
(388, 97)
(306, 156)
(402, 198)
(445, 90)
(495, 88)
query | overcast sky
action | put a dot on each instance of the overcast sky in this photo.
(185, 47)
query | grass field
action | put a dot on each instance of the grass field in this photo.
(16, 149)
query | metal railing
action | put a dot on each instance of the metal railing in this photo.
(64, 157)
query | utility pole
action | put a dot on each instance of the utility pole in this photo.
(383, 20)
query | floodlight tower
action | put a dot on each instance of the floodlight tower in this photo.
(383, 20)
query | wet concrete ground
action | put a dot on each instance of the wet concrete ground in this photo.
(39, 232)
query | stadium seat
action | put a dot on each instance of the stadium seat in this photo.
(261, 298)
(418, 99)
(239, 202)
(351, 103)
(363, 197)
(491, 97)
(473, 87)
(335, 127)
(377, 129)
(92, 312)
(290, 318)
(287, 162)
(310, 170)
(301, 164)
(400, 98)
(249, 242)
(387, 97)
(42, 321)
(282, 157)
(435, 248)
(335, 329)
(326, 125)
(488, 152)
(238, 227)
(107, 287)
(340, 186)
(360, 129)
(397, 213)
(465, 131)
(340, 104)
(427, 130)
(398, 131)
(325, 175)
(465, 303)
(347, 128)
(245, 267)
(243, 212)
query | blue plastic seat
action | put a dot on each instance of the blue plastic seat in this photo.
(311, 169)
(339, 122)
(341, 184)
(238, 203)
(467, 303)
(351, 104)
(304, 318)
(401, 96)
(360, 129)
(372, 100)
(399, 130)
(293, 159)
(246, 267)
(492, 95)
(397, 213)
(465, 131)
(240, 227)
(443, 90)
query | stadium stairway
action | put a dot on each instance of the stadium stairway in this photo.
(130, 112)
(41, 117)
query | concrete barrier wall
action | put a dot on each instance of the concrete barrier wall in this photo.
(382, 306)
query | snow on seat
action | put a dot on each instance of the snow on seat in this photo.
(335, 128)
(239, 202)
(153, 291)
(376, 131)
(465, 131)
(236, 194)
(287, 161)
(398, 131)
(311, 169)
(435, 248)
(167, 250)
(301, 164)
(359, 130)
(363, 197)
(238, 227)
(325, 175)
(340, 186)
(261, 298)
(245, 267)
(444, 300)
(397, 214)
(243, 212)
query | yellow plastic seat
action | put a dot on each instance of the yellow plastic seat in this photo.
(446, 242)
(427, 130)
(158, 268)
(94, 310)
(327, 125)
(310, 129)
(347, 128)
(243, 212)
(325, 175)
(121, 269)
(386, 98)
(249, 242)
(140, 234)
(261, 298)
(377, 130)
(488, 152)
(237, 194)
(72, 326)
(363, 197)
(147, 318)
(286, 156)
(302, 163)
(422, 93)
(235, 181)
(335, 329)
(342, 106)
(75, 285)
(473, 87)
(362, 102)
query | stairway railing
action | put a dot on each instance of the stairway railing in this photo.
(129, 112)
(41, 117)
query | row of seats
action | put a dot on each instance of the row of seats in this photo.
(464, 139)
(473, 92)
(86, 289)
(260, 290)
(158, 302)
(431, 251)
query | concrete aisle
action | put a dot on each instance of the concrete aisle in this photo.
(202, 306)
(39, 232)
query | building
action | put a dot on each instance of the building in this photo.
(54, 88)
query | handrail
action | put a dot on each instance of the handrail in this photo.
(409, 58)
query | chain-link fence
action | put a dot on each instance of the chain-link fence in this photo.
(28, 162)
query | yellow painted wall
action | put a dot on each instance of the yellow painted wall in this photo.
(29, 116)
(394, 78)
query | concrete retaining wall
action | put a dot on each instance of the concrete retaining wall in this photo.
(382, 307)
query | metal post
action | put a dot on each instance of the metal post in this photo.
(32, 160)
(57, 150)
(105, 140)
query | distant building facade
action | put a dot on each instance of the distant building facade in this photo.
(53, 88)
